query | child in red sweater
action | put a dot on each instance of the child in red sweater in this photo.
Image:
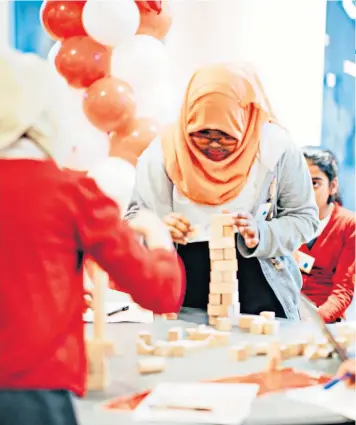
(331, 281)
(50, 220)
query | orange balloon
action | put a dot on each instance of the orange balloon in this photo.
(109, 105)
(155, 25)
(82, 61)
(144, 131)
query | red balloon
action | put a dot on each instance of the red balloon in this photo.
(150, 5)
(82, 61)
(143, 132)
(63, 19)
(110, 105)
(155, 25)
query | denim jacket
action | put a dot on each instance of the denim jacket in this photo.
(293, 219)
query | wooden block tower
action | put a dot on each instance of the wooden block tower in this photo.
(98, 349)
(223, 296)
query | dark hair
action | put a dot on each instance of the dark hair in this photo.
(327, 162)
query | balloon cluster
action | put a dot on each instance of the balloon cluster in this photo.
(110, 52)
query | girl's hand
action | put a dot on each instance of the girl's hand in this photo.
(179, 228)
(348, 367)
(248, 229)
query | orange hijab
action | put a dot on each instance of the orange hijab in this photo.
(219, 97)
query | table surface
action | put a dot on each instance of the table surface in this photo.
(275, 409)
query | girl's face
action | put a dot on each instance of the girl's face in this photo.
(214, 144)
(323, 188)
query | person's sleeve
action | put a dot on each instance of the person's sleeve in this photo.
(297, 213)
(343, 281)
(154, 278)
(153, 188)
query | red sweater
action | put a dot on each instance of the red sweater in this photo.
(49, 220)
(331, 283)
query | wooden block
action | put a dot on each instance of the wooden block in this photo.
(175, 334)
(223, 324)
(151, 365)
(271, 327)
(325, 353)
(227, 299)
(224, 265)
(221, 243)
(218, 310)
(222, 288)
(146, 337)
(269, 315)
(322, 343)
(257, 327)
(229, 254)
(216, 276)
(311, 352)
(170, 316)
(162, 349)
(222, 220)
(239, 353)
(228, 231)
(212, 320)
(142, 348)
(286, 352)
(261, 349)
(230, 276)
(274, 357)
(244, 321)
(216, 254)
(295, 349)
(220, 339)
(215, 299)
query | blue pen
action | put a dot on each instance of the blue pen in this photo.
(335, 381)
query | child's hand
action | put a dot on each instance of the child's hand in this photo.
(348, 367)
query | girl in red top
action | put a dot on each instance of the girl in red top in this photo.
(49, 221)
(331, 282)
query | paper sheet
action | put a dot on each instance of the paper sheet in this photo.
(135, 314)
(338, 399)
(223, 404)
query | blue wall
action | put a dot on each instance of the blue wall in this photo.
(339, 97)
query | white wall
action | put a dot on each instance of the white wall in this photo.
(4, 23)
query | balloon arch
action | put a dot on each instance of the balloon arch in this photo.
(111, 55)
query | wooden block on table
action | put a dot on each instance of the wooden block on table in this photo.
(224, 265)
(257, 326)
(151, 365)
(239, 353)
(221, 243)
(295, 349)
(228, 231)
(261, 349)
(175, 334)
(274, 357)
(142, 348)
(311, 352)
(215, 299)
(170, 316)
(146, 337)
(212, 320)
(218, 310)
(244, 321)
(216, 254)
(269, 315)
(222, 288)
(223, 324)
(271, 327)
(162, 349)
(227, 299)
(229, 254)
(98, 382)
(325, 353)
(219, 339)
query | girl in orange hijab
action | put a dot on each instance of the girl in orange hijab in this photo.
(228, 152)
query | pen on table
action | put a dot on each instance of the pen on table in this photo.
(119, 310)
(335, 381)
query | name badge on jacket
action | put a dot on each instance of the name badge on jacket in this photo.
(304, 261)
(263, 211)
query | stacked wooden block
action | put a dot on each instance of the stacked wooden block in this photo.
(223, 296)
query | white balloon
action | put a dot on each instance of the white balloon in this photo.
(116, 178)
(53, 52)
(110, 22)
(140, 61)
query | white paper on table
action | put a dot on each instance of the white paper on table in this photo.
(338, 399)
(229, 403)
(135, 314)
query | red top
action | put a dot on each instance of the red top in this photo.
(49, 219)
(331, 283)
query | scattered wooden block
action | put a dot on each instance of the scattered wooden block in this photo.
(274, 357)
(215, 299)
(295, 349)
(325, 353)
(229, 254)
(224, 265)
(175, 334)
(223, 324)
(216, 254)
(212, 320)
(257, 326)
(151, 365)
(271, 327)
(220, 339)
(269, 315)
(162, 349)
(244, 321)
(142, 348)
(221, 243)
(170, 316)
(97, 378)
(146, 337)
(261, 349)
(311, 352)
(239, 353)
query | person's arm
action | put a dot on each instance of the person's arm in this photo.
(343, 281)
(153, 188)
(297, 213)
(153, 277)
